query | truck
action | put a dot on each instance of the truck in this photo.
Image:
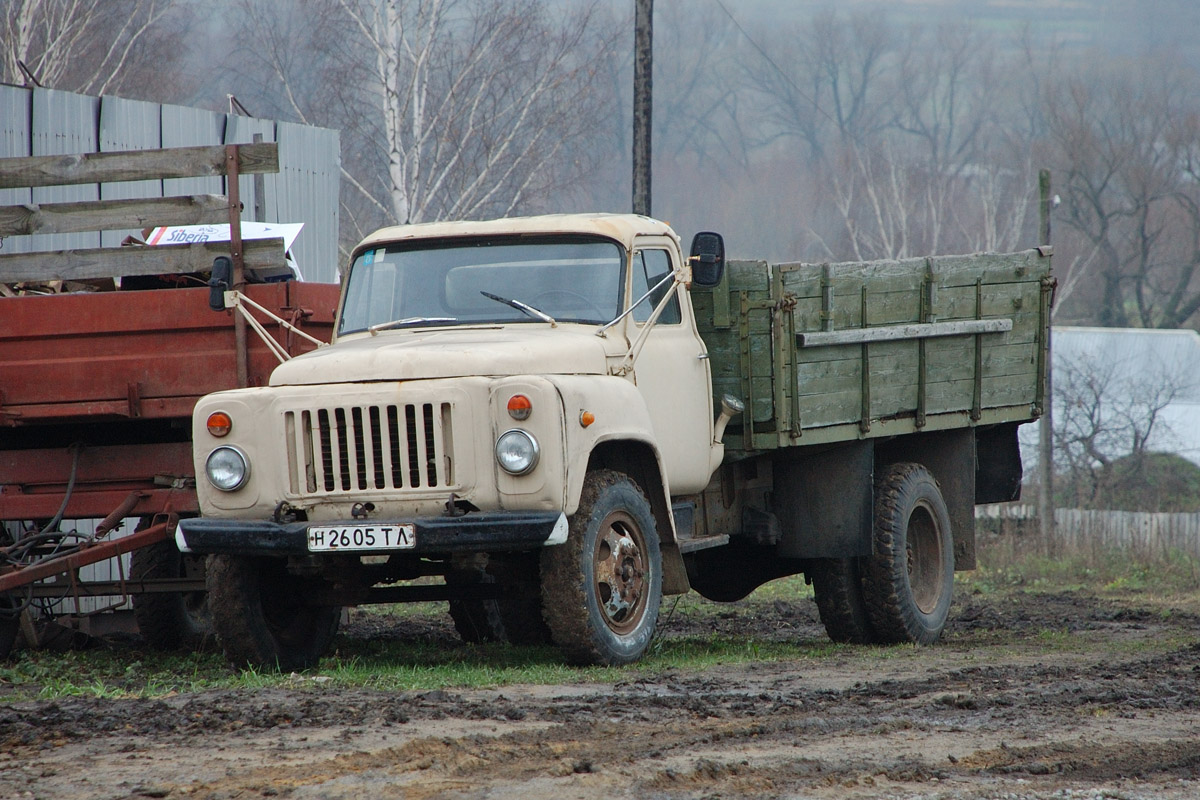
(565, 418)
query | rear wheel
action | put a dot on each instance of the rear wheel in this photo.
(837, 584)
(520, 604)
(10, 616)
(260, 615)
(475, 620)
(602, 588)
(10, 621)
(515, 616)
(173, 620)
(910, 576)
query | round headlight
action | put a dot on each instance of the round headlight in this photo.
(516, 452)
(227, 468)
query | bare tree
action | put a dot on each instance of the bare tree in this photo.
(1107, 411)
(906, 134)
(1125, 147)
(93, 46)
(699, 108)
(825, 81)
(450, 109)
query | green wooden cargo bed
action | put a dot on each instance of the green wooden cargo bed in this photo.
(825, 353)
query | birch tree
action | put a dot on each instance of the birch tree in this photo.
(91, 46)
(449, 109)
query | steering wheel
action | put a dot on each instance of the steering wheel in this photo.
(550, 293)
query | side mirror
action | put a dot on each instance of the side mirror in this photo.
(707, 258)
(218, 282)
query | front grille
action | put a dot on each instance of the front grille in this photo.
(364, 448)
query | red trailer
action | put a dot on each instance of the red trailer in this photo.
(97, 387)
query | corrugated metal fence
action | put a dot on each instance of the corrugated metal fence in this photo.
(1146, 535)
(39, 122)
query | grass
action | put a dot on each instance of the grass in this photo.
(429, 663)
(1005, 562)
(391, 666)
(412, 664)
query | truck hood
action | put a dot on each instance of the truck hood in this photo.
(449, 353)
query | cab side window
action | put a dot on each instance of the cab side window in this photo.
(649, 268)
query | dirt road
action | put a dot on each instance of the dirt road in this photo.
(1029, 696)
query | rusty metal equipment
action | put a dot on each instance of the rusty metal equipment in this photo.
(97, 387)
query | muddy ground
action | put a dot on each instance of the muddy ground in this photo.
(1030, 695)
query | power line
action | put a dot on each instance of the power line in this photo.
(771, 61)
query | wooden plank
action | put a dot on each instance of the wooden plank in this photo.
(106, 215)
(838, 376)
(848, 386)
(748, 276)
(893, 427)
(999, 300)
(724, 358)
(109, 262)
(804, 280)
(891, 333)
(132, 165)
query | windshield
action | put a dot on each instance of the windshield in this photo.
(466, 282)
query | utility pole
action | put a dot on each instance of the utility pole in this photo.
(643, 40)
(1046, 424)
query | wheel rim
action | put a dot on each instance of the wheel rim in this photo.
(621, 568)
(923, 550)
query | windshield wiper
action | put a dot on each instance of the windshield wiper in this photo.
(400, 323)
(523, 307)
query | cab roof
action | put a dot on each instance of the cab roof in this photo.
(623, 228)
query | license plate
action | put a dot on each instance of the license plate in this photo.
(330, 538)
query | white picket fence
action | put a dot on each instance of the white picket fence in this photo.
(1147, 535)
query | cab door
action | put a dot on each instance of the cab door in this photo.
(672, 372)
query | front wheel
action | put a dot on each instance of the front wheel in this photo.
(260, 614)
(601, 590)
(172, 620)
(910, 575)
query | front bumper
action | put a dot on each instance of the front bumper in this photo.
(515, 530)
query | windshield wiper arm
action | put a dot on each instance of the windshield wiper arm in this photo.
(523, 307)
(400, 323)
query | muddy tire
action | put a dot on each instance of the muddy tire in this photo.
(260, 618)
(601, 590)
(514, 617)
(910, 576)
(178, 620)
(837, 584)
(475, 620)
(520, 604)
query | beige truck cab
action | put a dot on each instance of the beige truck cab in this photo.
(510, 404)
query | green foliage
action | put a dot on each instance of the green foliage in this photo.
(1138, 482)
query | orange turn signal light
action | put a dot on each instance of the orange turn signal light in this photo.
(587, 418)
(519, 407)
(219, 423)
